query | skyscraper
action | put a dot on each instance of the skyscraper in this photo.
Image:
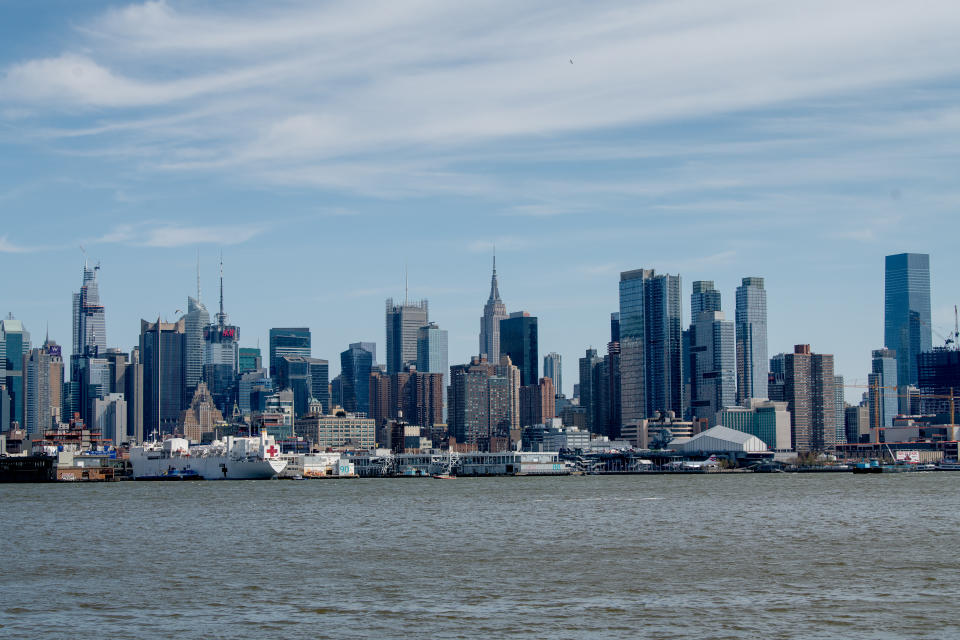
(553, 369)
(250, 360)
(882, 383)
(403, 322)
(705, 297)
(161, 352)
(651, 370)
(44, 383)
(288, 341)
(293, 373)
(751, 322)
(356, 363)
(713, 365)
(484, 401)
(89, 323)
(221, 358)
(432, 354)
(906, 319)
(590, 396)
(809, 390)
(196, 321)
(493, 312)
(518, 339)
(16, 344)
(320, 381)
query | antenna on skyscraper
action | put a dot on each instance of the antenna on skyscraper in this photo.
(84, 252)
(198, 275)
(406, 283)
(221, 319)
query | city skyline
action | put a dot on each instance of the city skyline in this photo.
(119, 134)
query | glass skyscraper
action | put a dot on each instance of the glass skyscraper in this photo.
(432, 354)
(751, 321)
(713, 360)
(882, 383)
(518, 339)
(16, 344)
(403, 321)
(195, 320)
(906, 319)
(553, 369)
(651, 370)
(355, 366)
(288, 341)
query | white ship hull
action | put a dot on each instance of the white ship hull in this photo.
(236, 458)
(212, 468)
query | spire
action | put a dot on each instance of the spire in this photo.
(494, 289)
(198, 276)
(221, 317)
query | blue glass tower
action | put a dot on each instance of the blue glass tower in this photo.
(906, 319)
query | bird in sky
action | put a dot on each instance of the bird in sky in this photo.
(571, 60)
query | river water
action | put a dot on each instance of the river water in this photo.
(713, 556)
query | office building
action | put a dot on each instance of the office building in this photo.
(751, 321)
(250, 359)
(15, 341)
(252, 382)
(518, 339)
(293, 374)
(857, 423)
(356, 363)
(553, 369)
(589, 396)
(202, 416)
(89, 322)
(906, 319)
(288, 341)
(938, 373)
(493, 312)
(161, 353)
(221, 358)
(320, 381)
(432, 352)
(704, 297)
(346, 431)
(196, 320)
(883, 403)
(651, 369)
(43, 381)
(133, 393)
(109, 415)
(809, 390)
(712, 364)
(403, 322)
(839, 411)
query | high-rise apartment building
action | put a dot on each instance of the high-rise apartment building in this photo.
(403, 322)
(705, 297)
(484, 401)
(906, 318)
(161, 352)
(518, 339)
(651, 369)
(553, 369)
(751, 320)
(288, 341)
(133, 393)
(713, 364)
(493, 312)
(537, 403)
(356, 363)
(415, 396)
(809, 390)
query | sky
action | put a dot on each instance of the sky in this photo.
(325, 148)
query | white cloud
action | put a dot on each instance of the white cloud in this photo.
(8, 247)
(168, 235)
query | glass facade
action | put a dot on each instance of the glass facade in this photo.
(355, 366)
(713, 363)
(906, 320)
(518, 339)
(751, 321)
(16, 344)
(288, 341)
(882, 383)
(403, 322)
(553, 368)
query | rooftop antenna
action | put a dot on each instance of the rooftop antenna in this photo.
(198, 275)
(406, 283)
(221, 317)
(84, 252)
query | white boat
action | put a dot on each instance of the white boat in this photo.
(233, 458)
(949, 465)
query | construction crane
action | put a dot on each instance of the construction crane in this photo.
(876, 388)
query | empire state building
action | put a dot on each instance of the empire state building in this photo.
(493, 312)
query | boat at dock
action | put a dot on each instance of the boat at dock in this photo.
(233, 458)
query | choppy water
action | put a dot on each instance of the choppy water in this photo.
(737, 556)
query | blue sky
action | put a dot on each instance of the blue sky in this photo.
(323, 146)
